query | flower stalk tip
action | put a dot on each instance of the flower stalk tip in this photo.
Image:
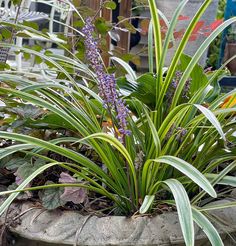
(106, 82)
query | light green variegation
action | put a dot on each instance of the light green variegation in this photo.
(176, 147)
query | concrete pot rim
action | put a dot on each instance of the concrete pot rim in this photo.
(64, 227)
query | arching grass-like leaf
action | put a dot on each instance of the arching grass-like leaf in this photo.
(117, 144)
(184, 210)
(42, 103)
(180, 50)
(196, 57)
(148, 200)
(156, 31)
(207, 227)
(218, 178)
(169, 33)
(211, 117)
(14, 148)
(226, 180)
(225, 205)
(150, 48)
(78, 158)
(184, 167)
(126, 66)
(112, 140)
(154, 133)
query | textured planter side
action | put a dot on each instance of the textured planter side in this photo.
(38, 227)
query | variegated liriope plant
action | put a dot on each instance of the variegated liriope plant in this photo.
(174, 138)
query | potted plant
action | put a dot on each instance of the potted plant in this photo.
(230, 49)
(142, 144)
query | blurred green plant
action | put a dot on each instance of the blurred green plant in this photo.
(182, 129)
(214, 48)
(231, 35)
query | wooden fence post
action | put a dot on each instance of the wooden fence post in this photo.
(125, 11)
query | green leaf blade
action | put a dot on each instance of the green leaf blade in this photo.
(211, 117)
(184, 167)
(184, 210)
(207, 227)
(148, 200)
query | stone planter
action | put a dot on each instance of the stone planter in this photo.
(230, 51)
(38, 227)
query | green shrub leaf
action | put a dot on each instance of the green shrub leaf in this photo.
(51, 197)
(25, 170)
(110, 5)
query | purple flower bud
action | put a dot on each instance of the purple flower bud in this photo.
(173, 86)
(187, 89)
(182, 132)
(122, 114)
(107, 82)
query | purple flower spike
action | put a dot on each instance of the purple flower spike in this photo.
(107, 82)
(122, 115)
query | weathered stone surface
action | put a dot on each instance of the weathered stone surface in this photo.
(61, 227)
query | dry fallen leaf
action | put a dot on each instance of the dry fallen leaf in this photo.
(72, 194)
